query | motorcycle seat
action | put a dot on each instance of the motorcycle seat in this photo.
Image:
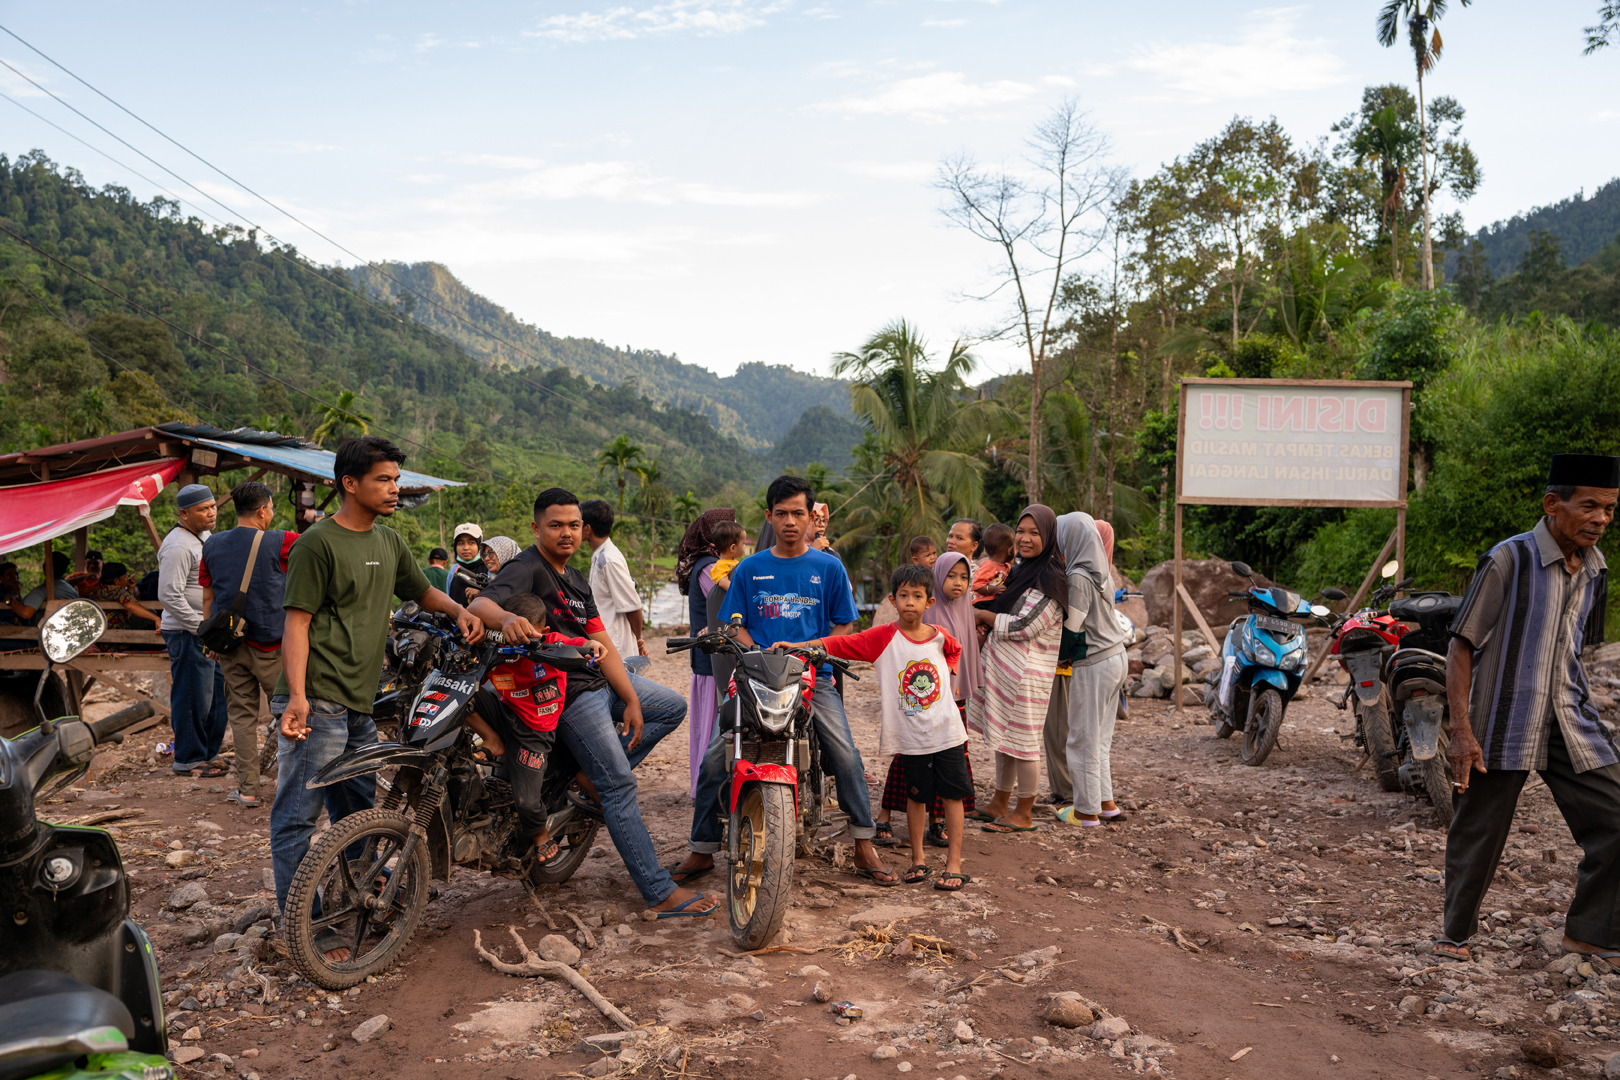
(48, 1019)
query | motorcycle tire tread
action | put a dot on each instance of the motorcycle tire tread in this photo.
(775, 889)
(1437, 782)
(1264, 726)
(1374, 720)
(300, 940)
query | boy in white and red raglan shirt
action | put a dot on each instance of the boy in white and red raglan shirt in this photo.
(921, 724)
(515, 713)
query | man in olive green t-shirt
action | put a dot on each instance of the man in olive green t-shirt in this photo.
(342, 576)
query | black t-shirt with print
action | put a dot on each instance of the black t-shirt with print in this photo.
(570, 607)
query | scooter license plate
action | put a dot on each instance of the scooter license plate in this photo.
(1281, 627)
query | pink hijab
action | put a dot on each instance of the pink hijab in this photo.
(956, 618)
(1106, 531)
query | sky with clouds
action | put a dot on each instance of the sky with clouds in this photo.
(739, 180)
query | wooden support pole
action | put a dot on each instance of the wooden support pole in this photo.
(151, 529)
(1400, 543)
(1175, 622)
(1198, 617)
(81, 547)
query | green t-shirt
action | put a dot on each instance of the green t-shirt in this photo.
(438, 577)
(348, 580)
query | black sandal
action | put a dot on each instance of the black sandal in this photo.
(883, 834)
(952, 881)
(916, 875)
(936, 835)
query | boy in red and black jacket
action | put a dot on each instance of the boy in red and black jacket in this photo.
(515, 713)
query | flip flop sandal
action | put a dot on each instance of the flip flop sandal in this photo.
(330, 940)
(252, 802)
(1004, 827)
(679, 911)
(951, 881)
(543, 855)
(884, 834)
(1446, 949)
(935, 836)
(203, 772)
(585, 806)
(1069, 817)
(686, 877)
(981, 815)
(871, 873)
(1114, 818)
(916, 875)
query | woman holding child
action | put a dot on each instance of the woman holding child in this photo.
(1019, 659)
(711, 547)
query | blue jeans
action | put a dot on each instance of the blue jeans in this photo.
(587, 730)
(333, 731)
(839, 759)
(196, 701)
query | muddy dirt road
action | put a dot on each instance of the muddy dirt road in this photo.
(1243, 922)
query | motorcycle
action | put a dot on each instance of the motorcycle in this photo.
(1415, 675)
(777, 787)
(1362, 641)
(1262, 663)
(365, 881)
(78, 980)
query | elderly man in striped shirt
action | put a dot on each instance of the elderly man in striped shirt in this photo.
(1519, 701)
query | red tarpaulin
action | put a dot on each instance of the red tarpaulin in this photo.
(34, 513)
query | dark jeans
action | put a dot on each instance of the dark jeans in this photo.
(333, 731)
(1590, 803)
(528, 752)
(196, 701)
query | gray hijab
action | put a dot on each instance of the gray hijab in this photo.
(1082, 548)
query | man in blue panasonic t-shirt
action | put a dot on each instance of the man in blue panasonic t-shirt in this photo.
(791, 592)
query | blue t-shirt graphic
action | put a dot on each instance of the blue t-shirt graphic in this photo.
(789, 599)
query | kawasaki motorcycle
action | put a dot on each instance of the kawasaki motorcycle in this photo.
(365, 882)
(78, 982)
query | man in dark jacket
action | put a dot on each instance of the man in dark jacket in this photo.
(255, 664)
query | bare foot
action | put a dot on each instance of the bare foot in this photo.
(336, 956)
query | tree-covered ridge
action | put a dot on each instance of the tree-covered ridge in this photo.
(1582, 225)
(756, 405)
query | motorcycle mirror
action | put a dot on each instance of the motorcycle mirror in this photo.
(1241, 569)
(1319, 611)
(1390, 569)
(1333, 592)
(75, 627)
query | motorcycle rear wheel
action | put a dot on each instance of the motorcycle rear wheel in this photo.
(269, 746)
(1265, 724)
(760, 882)
(1374, 721)
(574, 839)
(1437, 780)
(342, 885)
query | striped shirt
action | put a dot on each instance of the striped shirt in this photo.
(1527, 618)
(1019, 658)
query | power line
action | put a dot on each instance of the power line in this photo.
(227, 353)
(287, 213)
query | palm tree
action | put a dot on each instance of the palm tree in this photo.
(689, 505)
(620, 455)
(1386, 142)
(1421, 16)
(339, 417)
(924, 439)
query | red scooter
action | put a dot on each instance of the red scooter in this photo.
(1362, 642)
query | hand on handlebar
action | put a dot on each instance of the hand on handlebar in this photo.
(516, 630)
(791, 646)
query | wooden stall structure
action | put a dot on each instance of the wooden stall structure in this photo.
(59, 490)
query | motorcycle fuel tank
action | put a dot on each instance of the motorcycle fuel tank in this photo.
(437, 711)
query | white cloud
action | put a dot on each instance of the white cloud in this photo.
(892, 170)
(1267, 60)
(17, 85)
(945, 24)
(610, 181)
(933, 97)
(1058, 80)
(670, 17)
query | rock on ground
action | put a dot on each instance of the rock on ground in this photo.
(1545, 1050)
(1068, 1013)
(557, 948)
(371, 1029)
(185, 1055)
(883, 915)
(1110, 1028)
(192, 892)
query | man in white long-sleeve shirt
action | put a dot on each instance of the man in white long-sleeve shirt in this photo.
(197, 697)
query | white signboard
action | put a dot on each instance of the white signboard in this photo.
(1257, 442)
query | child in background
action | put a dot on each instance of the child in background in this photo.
(515, 713)
(991, 578)
(921, 725)
(923, 552)
(728, 544)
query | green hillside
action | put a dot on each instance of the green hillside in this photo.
(1582, 225)
(755, 406)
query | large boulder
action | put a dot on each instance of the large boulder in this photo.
(1208, 581)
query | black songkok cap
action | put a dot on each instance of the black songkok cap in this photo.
(1584, 470)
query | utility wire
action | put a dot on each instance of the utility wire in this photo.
(227, 353)
(378, 267)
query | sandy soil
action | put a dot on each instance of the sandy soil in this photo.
(1244, 922)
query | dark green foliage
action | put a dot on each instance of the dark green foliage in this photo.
(1411, 340)
(1582, 225)
(1545, 285)
(821, 435)
(143, 344)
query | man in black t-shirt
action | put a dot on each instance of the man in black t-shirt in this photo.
(596, 699)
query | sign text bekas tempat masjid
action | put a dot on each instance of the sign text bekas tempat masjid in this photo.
(1291, 444)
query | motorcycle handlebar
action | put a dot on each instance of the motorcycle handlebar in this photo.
(111, 727)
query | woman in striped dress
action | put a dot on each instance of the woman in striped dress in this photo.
(1025, 624)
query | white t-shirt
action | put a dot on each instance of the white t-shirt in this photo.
(914, 686)
(614, 591)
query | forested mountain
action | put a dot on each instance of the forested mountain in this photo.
(1582, 225)
(822, 437)
(756, 405)
(265, 338)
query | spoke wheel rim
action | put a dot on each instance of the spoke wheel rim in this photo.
(748, 871)
(346, 884)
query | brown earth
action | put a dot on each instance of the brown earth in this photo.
(1213, 854)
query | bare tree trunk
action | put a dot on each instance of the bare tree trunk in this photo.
(1033, 488)
(1426, 275)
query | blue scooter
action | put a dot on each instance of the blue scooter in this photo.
(1262, 662)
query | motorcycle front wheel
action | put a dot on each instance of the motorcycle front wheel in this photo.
(335, 892)
(760, 882)
(1265, 723)
(1374, 721)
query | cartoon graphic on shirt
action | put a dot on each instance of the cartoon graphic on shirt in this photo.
(919, 686)
(785, 605)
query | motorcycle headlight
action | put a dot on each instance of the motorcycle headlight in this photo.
(775, 706)
(1293, 661)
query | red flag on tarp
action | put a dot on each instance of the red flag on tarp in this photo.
(34, 513)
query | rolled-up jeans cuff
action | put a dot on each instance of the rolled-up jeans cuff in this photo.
(862, 832)
(703, 847)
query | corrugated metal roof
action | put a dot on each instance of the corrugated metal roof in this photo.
(316, 463)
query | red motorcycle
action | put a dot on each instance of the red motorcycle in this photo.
(1362, 642)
